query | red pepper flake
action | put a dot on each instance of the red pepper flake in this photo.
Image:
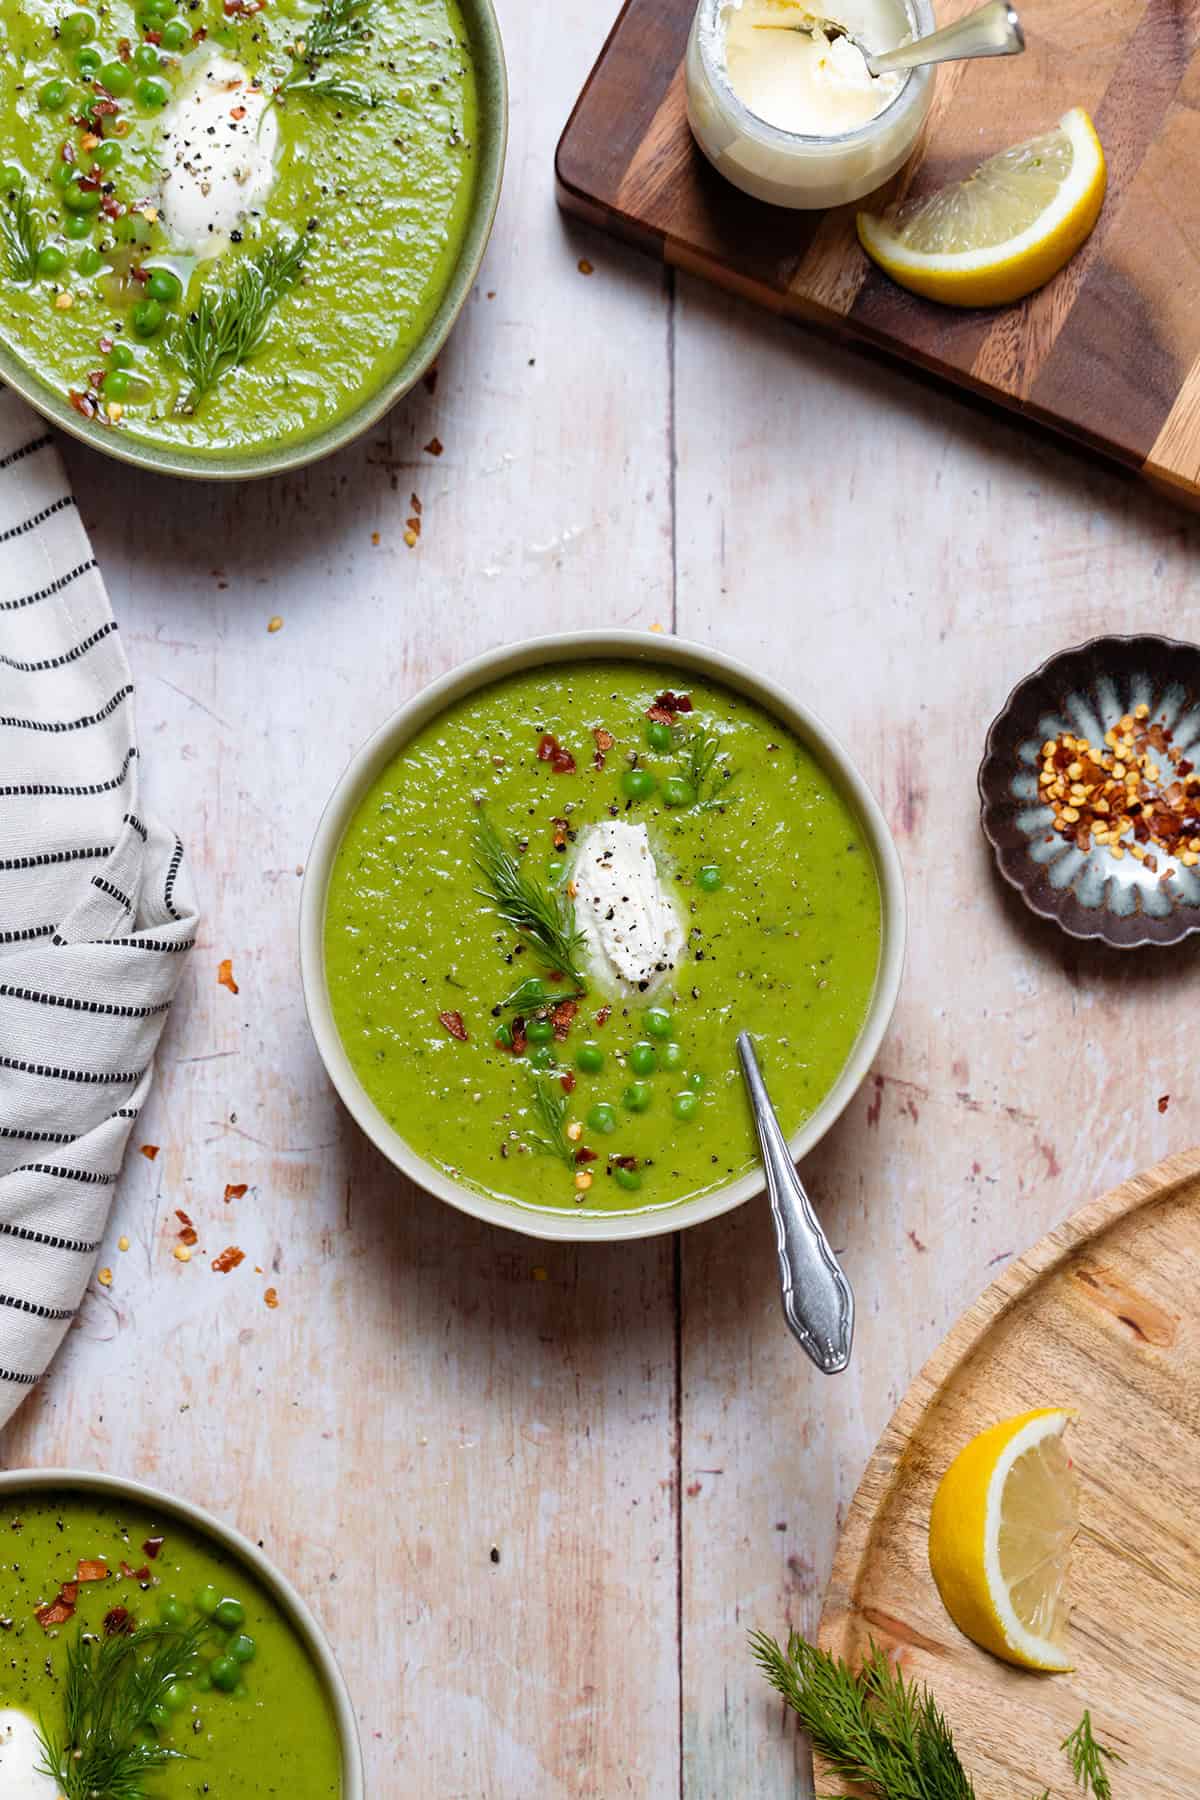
(1164, 1100)
(153, 37)
(415, 504)
(225, 971)
(142, 1574)
(187, 1231)
(237, 112)
(563, 1015)
(604, 743)
(67, 152)
(271, 1298)
(602, 1017)
(200, 33)
(550, 750)
(567, 1082)
(88, 1569)
(152, 1546)
(96, 379)
(236, 1190)
(150, 1151)
(624, 1162)
(124, 49)
(243, 8)
(583, 1155)
(104, 345)
(667, 705)
(228, 1259)
(58, 1611)
(435, 446)
(111, 207)
(83, 403)
(140, 274)
(453, 1021)
(118, 1622)
(519, 1038)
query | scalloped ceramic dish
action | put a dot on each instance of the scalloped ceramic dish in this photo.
(1086, 690)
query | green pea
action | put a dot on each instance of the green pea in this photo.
(670, 1055)
(117, 77)
(11, 178)
(542, 1057)
(161, 9)
(51, 260)
(78, 28)
(678, 792)
(202, 1682)
(643, 1059)
(64, 173)
(87, 62)
(555, 871)
(637, 784)
(146, 58)
(242, 1647)
(108, 154)
(151, 94)
(230, 1614)
(174, 1696)
(164, 285)
(708, 878)
(78, 225)
(147, 317)
(684, 1105)
(159, 1717)
(53, 97)
(697, 1080)
(658, 734)
(627, 1178)
(171, 1609)
(79, 199)
(589, 1058)
(637, 1097)
(658, 1022)
(175, 35)
(121, 356)
(539, 1031)
(602, 1118)
(226, 1672)
(89, 261)
(207, 1601)
(116, 384)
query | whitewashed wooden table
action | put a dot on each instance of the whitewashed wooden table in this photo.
(538, 1495)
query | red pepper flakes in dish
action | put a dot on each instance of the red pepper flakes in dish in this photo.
(225, 975)
(91, 1569)
(59, 1610)
(453, 1021)
(563, 1017)
(119, 1622)
(667, 705)
(236, 1190)
(152, 1546)
(1134, 791)
(604, 743)
(228, 1259)
(550, 750)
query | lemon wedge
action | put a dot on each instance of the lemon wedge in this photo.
(1003, 231)
(1000, 1533)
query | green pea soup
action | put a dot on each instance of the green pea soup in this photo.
(628, 1096)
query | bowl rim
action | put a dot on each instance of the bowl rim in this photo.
(162, 459)
(481, 671)
(277, 1584)
(1096, 932)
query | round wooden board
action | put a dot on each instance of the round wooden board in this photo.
(1103, 1315)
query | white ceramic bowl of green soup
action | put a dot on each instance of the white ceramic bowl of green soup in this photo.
(233, 233)
(547, 895)
(192, 1665)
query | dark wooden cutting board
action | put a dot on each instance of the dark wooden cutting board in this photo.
(1108, 352)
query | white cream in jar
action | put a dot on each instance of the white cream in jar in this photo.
(794, 116)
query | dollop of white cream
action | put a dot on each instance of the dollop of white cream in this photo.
(798, 79)
(633, 934)
(21, 1778)
(217, 157)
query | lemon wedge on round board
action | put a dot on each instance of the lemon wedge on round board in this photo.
(1000, 1533)
(1002, 232)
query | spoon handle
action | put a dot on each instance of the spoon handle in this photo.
(818, 1303)
(991, 30)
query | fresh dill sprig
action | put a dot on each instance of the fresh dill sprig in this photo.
(873, 1727)
(100, 1752)
(20, 235)
(543, 917)
(1088, 1759)
(702, 765)
(224, 329)
(335, 28)
(551, 1105)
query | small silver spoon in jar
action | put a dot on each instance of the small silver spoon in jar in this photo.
(818, 1303)
(991, 30)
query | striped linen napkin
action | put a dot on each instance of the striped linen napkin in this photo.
(96, 907)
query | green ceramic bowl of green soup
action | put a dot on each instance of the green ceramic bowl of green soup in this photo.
(233, 232)
(148, 1650)
(547, 895)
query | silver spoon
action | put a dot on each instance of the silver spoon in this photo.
(991, 30)
(818, 1303)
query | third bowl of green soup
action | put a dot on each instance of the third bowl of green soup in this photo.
(233, 232)
(548, 894)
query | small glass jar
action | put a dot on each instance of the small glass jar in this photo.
(788, 168)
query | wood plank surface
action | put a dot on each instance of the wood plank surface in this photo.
(1100, 1317)
(630, 1432)
(1104, 352)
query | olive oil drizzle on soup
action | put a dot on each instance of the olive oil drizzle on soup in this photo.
(627, 1095)
(104, 261)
